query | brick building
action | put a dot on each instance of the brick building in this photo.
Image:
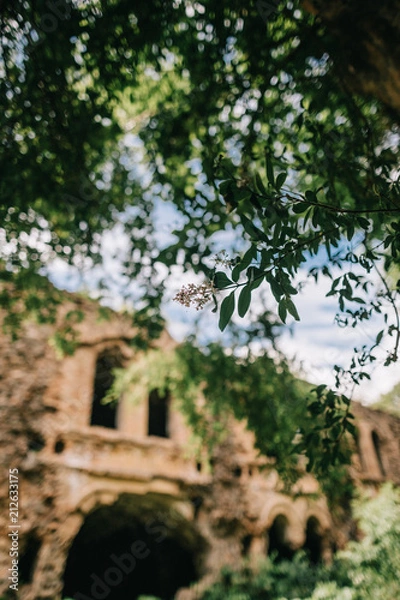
(111, 503)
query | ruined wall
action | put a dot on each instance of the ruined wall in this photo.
(85, 488)
(378, 445)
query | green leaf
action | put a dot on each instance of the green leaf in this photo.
(236, 272)
(299, 207)
(364, 223)
(257, 281)
(226, 312)
(315, 217)
(221, 280)
(277, 233)
(259, 185)
(276, 289)
(350, 428)
(241, 194)
(244, 300)
(316, 408)
(292, 309)
(350, 231)
(226, 165)
(282, 310)
(270, 170)
(249, 255)
(280, 180)
(225, 186)
(311, 196)
(319, 389)
(254, 273)
(253, 231)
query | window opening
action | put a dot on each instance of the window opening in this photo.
(377, 446)
(158, 414)
(277, 542)
(105, 414)
(313, 543)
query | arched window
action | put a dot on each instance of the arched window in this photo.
(377, 446)
(158, 414)
(313, 543)
(105, 414)
(277, 539)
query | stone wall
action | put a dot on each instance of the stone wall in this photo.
(86, 489)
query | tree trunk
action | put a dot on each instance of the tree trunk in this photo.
(366, 51)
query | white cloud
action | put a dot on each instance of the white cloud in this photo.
(317, 343)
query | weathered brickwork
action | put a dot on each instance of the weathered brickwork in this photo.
(93, 482)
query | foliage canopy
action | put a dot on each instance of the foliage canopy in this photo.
(232, 122)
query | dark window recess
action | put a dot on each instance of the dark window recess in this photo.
(103, 414)
(59, 447)
(377, 446)
(237, 471)
(36, 441)
(27, 560)
(246, 543)
(313, 544)
(197, 502)
(277, 540)
(158, 414)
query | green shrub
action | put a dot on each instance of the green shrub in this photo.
(366, 570)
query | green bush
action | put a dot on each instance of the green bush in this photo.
(366, 570)
(270, 580)
(372, 565)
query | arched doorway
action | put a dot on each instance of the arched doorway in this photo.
(278, 544)
(313, 543)
(137, 546)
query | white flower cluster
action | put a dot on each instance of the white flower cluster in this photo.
(195, 295)
(222, 258)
